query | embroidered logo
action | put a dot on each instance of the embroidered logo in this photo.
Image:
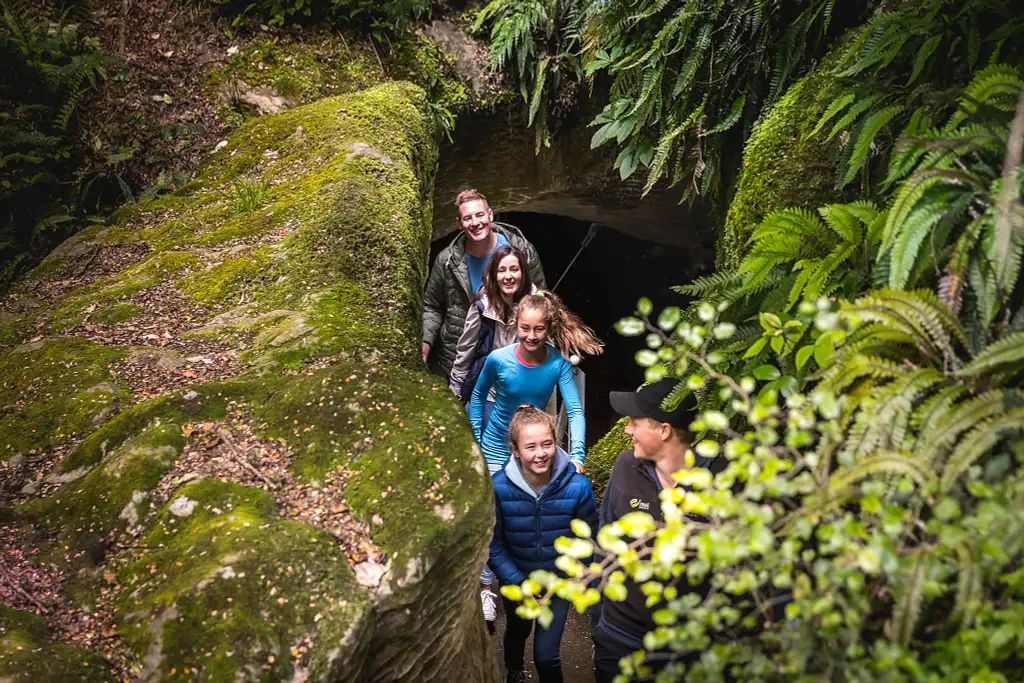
(637, 503)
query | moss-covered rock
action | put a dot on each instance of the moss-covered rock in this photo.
(53, 390)
(28, 655)
(301, 247)
(601, 456)
(783, 164)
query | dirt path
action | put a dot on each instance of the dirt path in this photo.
(577, 648)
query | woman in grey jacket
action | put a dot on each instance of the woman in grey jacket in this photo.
(506, 281)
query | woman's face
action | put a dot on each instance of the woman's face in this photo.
(509, 275)
(532, 329)
(536, 448)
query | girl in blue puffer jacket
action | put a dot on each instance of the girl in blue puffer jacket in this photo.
(537, 495)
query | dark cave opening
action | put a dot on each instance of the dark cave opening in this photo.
(602, 286)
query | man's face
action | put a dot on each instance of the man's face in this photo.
(648, 437)
(475, 220)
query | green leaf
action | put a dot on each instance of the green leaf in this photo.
(766, 373)
(823, 349)
(803, 354)
(645, 358)
(644, 306)
(669, 318)
(630, 327)
(756, 347)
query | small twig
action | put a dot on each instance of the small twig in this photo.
(92, 257)
(14, 584)
(236, 453)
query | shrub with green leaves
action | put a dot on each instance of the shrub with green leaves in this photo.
(49, 66)
(865, 525)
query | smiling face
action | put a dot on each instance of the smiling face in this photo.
(509, 275)
(535, 449)
(648, 436)
(475, 220)
(532, 329)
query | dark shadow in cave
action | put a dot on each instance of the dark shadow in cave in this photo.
(602, 286)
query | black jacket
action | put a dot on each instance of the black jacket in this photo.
(633, 487)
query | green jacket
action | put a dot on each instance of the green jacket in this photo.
(447, 296)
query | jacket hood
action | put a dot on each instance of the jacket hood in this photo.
(457, 247)
(558, 473)
(488, 310)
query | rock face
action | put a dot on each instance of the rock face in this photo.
(220, 391)
(495, 153)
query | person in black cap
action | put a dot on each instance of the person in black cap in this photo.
(661, 441)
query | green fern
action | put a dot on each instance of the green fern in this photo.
(1004, 357)
(978, 442)
(907, 611)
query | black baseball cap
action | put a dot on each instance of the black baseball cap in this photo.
(646, 402)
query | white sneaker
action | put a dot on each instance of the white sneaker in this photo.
(490, 611)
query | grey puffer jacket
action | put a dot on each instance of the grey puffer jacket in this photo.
(447, 296)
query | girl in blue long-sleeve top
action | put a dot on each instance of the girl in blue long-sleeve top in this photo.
(528, 371)
(537, 495)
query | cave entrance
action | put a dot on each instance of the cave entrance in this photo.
(602, 286)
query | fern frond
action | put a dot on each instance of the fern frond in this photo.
(709, 286)
(897, 463)
(907, 610)
(969, 579)
(837, 105)
(978, 442)
(847, 220)
(852, 114)
(1005, 356)
(996, 86)
(947, 426)
(866, 139)
(926, 50)
(838, 377)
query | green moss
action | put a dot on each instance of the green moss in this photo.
(47, 268)
(199, 402)
(401, 435)
(117, 313)
(783, 164)
(230, 278)
(252, 586)
(27, 655)
(114, 494)
(14, 329)
(149, 273)
(299, 71)
(54, 390)
(601, 456)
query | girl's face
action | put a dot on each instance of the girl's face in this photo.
(535, 448)
(532, 329)
(510, 275)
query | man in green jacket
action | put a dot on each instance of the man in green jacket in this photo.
(455, 278)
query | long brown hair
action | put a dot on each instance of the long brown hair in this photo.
(492, 290)
(527, 415)
(569, 334)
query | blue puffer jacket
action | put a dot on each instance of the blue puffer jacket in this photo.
(526, 523)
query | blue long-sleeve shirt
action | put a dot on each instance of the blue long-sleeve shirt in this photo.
(516, 383)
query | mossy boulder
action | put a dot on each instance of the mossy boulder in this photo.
(28, 655)
(278, 296)
(601, 456)
(785, 165)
